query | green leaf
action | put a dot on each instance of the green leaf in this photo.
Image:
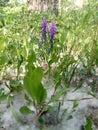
(41, 121)
(2, 95)
(69, 117)
(33, 85)
(31, 57)
(3, 59)
(27, 98)
(1, 43)
(15, 114)
(88, 125)
(78, 86)
(25, 53)
(57, 84)
(15, 83)
(75, 104)
(59, 94)
(25, 110)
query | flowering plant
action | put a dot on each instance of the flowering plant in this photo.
(44, 29)
(52, 31)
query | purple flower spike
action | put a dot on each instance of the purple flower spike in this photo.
(44, 29)
(52, 31)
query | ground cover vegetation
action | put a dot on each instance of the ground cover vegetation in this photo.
(42, 51)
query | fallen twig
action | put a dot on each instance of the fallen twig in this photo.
(81, 99)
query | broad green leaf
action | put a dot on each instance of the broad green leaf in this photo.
(25, 110)
(88, 125)
(33, 85)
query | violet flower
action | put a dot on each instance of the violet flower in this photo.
(52, 31)
(44, 29)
